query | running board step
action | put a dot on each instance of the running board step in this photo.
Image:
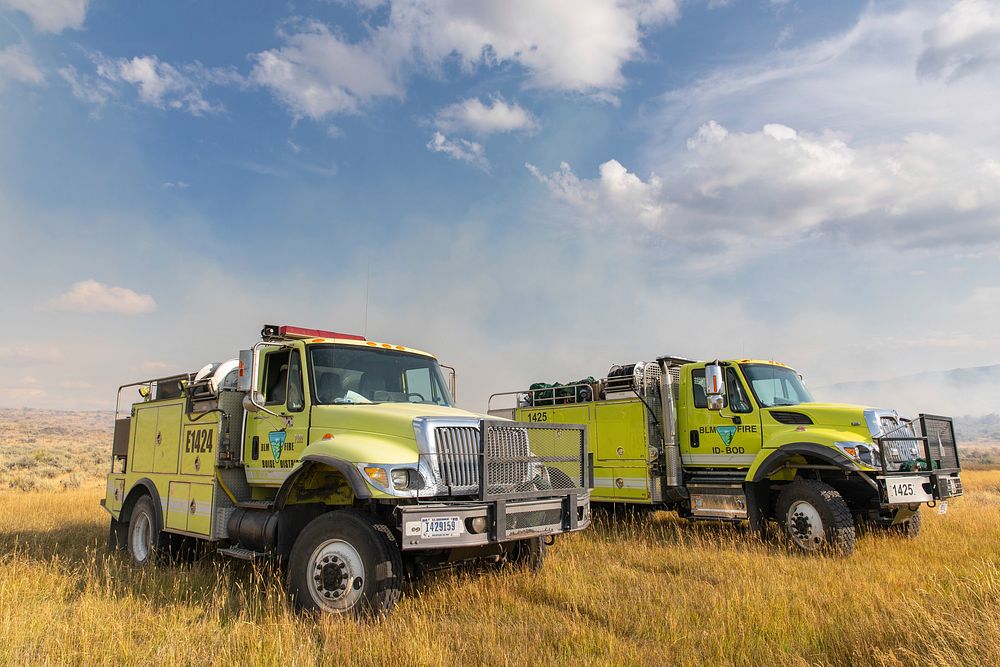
(718, 501)
(242, 554)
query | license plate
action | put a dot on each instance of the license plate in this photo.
(441, 526)
(903, 490)
(942, 507)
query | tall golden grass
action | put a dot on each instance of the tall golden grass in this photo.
(652, 591)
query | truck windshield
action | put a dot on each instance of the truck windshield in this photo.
(775, 385)
(350, 375)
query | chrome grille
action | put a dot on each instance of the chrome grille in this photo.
(518, 460)
(458, 456)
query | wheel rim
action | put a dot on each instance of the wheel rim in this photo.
(142, 537)
(336, 576)
(805, 525)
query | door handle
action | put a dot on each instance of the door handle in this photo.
(694, 439)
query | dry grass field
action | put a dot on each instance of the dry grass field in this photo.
(653, 591)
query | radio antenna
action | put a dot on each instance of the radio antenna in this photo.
(368, 280)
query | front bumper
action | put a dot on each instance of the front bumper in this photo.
(505, 520)
(918, 487)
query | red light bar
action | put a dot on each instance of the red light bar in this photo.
(271, 331)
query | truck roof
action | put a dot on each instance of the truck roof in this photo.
(369, 343)
(767, 362)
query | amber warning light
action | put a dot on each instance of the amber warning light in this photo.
(276, 331)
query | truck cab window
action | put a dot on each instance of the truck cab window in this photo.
(735, 394)
(698, 388)
(295, 393)
(275, 377)
(418, 385)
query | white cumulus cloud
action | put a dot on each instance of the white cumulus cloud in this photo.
(473, 115)
(90, 296)
(460, 149)
(964, 40)
(51, 15)
(616, 197)
(574, 45)
(16, 64)
(568, 45)
(778, 183)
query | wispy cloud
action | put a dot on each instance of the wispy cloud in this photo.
(16, 64)
(472, 115)
(963, 41)
(29, 354)
(51, 15)
(90, 296)
(460, 149)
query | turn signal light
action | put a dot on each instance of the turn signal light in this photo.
(377, 475)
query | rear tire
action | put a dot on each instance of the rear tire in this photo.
(343, 562)
(146, 541)
(816, 518)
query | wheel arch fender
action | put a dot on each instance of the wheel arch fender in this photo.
(142, 487)
(312, 461)
(767, 464)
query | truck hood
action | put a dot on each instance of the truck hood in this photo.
(828, 414)
(392, 419)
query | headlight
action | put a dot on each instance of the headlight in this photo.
(407, 478)
(862, 452)
(393, 479)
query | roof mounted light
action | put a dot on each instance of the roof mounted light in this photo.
(282, 331)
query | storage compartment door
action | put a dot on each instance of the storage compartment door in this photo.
(198, 444)
(143, 440)
(634, 484)
(168, 428)
(622, 433)
(178, 501)
(200, 509)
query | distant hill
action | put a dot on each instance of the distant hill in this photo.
(971, 395)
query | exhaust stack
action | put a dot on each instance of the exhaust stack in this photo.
(671, 447)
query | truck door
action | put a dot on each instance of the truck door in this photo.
(726, 438)
(273, 445)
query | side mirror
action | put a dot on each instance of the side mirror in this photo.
(244, 380)
(144, 391)
(452, 385)
(715, 386)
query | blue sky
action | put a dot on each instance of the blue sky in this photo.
(537, 190)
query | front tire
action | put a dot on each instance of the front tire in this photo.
(528, 554)
(344, 563)
(816, 518)
(910, 527)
